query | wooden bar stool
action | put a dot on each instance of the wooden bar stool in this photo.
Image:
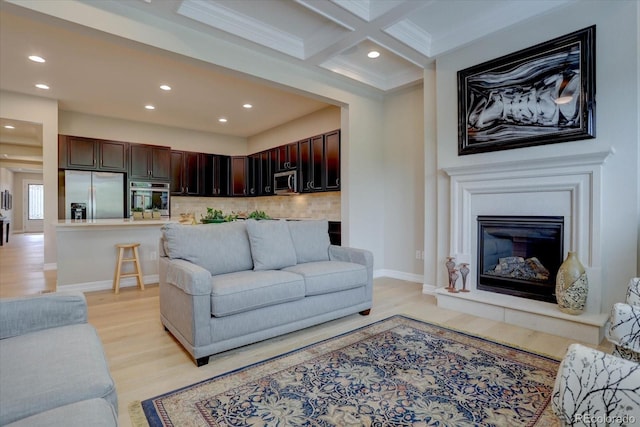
(122, 247)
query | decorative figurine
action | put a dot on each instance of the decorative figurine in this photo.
(464, 271)
(451, 265)
(453, 278)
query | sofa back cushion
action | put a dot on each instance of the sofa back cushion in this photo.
(271, 245)
(220, 248)
(310, 239)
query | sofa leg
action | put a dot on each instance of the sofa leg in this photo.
(365, 312)
(201, 361)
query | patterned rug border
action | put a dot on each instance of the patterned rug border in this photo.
(139, 412)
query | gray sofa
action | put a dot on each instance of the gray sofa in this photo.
(226, 285)
(53, 370)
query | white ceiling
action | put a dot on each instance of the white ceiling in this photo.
(94, 73)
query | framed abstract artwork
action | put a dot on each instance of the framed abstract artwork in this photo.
(544, 94)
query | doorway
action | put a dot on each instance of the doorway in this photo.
(33, 206)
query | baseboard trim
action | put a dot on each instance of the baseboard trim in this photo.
(104, 285)
(429, 289)
(50, 266)
(400, 275)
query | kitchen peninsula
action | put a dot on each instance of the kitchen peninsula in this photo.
(87, 254)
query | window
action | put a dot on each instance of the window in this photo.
(36, 201)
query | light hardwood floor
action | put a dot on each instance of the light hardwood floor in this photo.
(146, 361)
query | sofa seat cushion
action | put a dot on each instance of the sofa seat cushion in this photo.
(51, 368)
(323, 277)
(92, 412)
(248, 290)
(220, 248)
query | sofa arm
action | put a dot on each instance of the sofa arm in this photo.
(592, 387)
(190, 278)
(624, 326)
(22, 315)
(358, 256)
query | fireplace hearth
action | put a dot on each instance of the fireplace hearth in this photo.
(520, 255)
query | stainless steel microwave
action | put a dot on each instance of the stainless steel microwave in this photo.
(285, 183)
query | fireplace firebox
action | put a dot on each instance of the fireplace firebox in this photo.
(520, 255)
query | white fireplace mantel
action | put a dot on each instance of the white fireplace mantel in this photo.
(567, 186)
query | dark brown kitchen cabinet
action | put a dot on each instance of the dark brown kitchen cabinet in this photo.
(216, 175)
(238, 175)
(320, 163)
(187, 173)
(287, 157)
(113, 156)
(260, 173)
(311, 164)
(332, 160)
(150, 162)
(266, 173)
(91, 154)
(253, 175)
(80, 153)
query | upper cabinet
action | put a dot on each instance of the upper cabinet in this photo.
(187, 173)
(216, 175)
(320, 163)
(316, 159)
(92, 154)
(260, 172)
(239, 176)
(332, 160)
(150, 162)
(287, 157)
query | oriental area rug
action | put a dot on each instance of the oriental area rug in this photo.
(395, 372)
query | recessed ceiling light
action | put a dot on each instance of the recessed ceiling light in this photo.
(247, 106)
(165, 87)
(9, 127)
(150, 107)
(42, 86)
(373, 54)
(36, 58)
(222, 120)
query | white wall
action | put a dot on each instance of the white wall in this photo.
(316, 123)
(616, 124)
(78, 124)
(404, 183)
(44, 111)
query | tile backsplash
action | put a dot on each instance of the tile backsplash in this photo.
(317, 205)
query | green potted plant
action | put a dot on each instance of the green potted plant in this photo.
(137, 213)
(258, 215)
(212, 217)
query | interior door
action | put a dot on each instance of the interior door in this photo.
(33, 206)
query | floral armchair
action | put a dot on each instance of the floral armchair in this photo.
(624, 328)
(594, 388)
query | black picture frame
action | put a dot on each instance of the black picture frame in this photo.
(544, 94)
(3, 201)
(9, 201)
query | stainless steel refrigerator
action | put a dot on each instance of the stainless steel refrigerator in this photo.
(93, 195)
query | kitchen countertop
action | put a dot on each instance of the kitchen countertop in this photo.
(126, 222)
(72, 223)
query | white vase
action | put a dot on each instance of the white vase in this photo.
(572, 285)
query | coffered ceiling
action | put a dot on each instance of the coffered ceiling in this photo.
(92, 72)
